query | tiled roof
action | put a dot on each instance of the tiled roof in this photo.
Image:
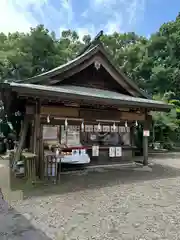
(93, 94)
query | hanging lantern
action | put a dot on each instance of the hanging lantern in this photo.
(136, 123)
(126, 125)
(66, 123)
(114, 127)
(99, 127)
(82, 126)
(48, 119)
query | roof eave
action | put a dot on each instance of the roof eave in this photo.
(93, 99)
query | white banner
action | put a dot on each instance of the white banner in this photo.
(112, 152)
(95, 151)
(118, 151)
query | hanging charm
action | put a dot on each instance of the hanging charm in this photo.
(136, 123)
(99, 127)
(48, 119)
(66, 123)
(126, 125)
(82, 127)
(114, 127)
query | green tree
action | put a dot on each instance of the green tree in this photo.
(165, 125)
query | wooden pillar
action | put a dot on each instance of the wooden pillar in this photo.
(24, 129)
(34, 135)
(36, 138)
(31, 149)
(38, 126)
(132, 135)
(132, 138)
(146, 127)
(41, 153)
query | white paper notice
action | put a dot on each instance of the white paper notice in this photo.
(52, 170)
(106, 128)
(95, 151)
(118, 151)
(97, 128)
(75, 152)
(112, 152)
(146, 133)
(82, 151)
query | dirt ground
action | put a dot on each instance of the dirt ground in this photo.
(125, 204)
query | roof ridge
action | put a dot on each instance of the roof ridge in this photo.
(47, 73)
(92, 43)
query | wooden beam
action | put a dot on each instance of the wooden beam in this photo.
(111, 115)
(132, 116)
(59, 111)
(91, 114)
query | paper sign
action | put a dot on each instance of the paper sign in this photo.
(88, 128)
(52, 170)
(97, 128)
(95, 151)
(112, 152)
(146, 133)
(106, 128)
(114, 129)
(122, 129)
(118, 151)
(82, 151)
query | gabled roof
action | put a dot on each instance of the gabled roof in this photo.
(62, 68)
(97, 50)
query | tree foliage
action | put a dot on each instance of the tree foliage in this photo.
(154, 63)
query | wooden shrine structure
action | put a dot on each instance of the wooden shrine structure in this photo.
(88, 89)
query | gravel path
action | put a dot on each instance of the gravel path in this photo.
(115, 204)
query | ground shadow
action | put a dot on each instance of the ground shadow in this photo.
(98, 179)
(15, 226)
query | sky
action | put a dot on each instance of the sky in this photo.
(88, 16)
